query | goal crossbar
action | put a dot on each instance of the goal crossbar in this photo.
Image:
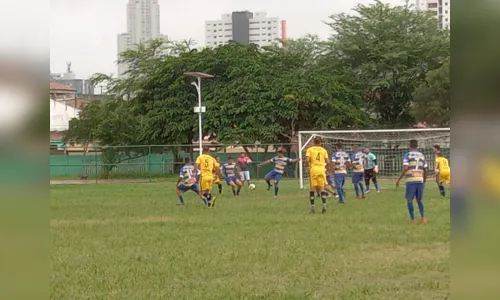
(312, 134)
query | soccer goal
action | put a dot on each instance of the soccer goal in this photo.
(388, 145)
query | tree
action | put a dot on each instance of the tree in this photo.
(387, 52)
(109, 125)
(432, 97)
(83, 130)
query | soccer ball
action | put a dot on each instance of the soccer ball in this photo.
(251, 186)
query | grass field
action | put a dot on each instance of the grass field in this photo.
(131, 241)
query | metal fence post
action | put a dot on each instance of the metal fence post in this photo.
(95, 152)
(149, 163)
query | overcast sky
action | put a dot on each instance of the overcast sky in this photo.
(85, 31)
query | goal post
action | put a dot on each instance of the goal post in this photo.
(388, 145)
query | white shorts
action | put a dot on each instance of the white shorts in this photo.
(245, 175)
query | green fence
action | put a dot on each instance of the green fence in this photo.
(151, 161)
(142, 162)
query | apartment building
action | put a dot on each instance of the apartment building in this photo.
(244, 27)
(440, 7)
(143, 24)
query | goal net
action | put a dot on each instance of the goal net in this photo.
(387, 145)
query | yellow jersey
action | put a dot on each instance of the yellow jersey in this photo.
(442, 165)
(317, 157)
(207, 164)
(489, 171)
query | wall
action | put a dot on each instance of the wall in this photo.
(153, 164)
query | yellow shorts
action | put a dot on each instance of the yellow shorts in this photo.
(317, 178)
(206, 183)
(216, 179)
(444, 178)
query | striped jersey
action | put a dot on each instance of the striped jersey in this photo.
(358, 161)
(229, 170)
(340, 160)
(280, 163)
(416, 163)
(188, 174)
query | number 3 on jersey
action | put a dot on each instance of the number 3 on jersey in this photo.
(206, 163)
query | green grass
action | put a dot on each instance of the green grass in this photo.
(130, 241)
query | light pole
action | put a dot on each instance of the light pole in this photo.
(199, 109)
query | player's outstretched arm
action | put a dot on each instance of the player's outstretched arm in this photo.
(265, 163)
(294, 160)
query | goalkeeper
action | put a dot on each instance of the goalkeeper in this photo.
(371, 170)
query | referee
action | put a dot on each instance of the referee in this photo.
(371, 170)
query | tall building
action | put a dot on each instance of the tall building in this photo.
(143, 24)
(244, 27)
(441, 8)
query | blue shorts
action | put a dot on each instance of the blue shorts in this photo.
(231, 179)
(195, 188)
(273, 175)
(357, 177)
(329, 179)
(414, 191)
(340, 180)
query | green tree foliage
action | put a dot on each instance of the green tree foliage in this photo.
(364, 75)
(109, 125)
(388, 51)
(432, 97)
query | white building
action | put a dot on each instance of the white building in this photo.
(143, 24)
(441, 8)
(60, 115)
(244, 27)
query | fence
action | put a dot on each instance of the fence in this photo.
(153, 161)
(164, 162)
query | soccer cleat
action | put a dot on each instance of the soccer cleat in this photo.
(412, 222)
(423, 220)
(268, 187)
(323, 210)
(312, 211)
(180, 203)
(275, 196)
(367, 191)
(378, 191)
(213, 201)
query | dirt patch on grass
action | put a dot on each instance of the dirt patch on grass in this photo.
(85, 222)
(152, 219)
(57, 223)
(93, 181)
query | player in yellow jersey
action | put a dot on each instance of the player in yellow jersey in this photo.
(207, 164)
(217, 175)
(490, 168)
(443, 172)
(315, 163)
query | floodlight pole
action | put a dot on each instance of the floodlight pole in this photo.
(199, 109)
(200, 121)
